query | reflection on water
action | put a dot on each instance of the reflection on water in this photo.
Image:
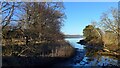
(83, 57)
(98, 61)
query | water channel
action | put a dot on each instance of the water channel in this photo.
(82, 60)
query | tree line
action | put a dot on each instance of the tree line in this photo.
(36, 20)
(37, 24)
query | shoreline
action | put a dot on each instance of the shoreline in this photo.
(107, 53)
(33, 61)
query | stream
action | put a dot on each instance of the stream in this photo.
(82, 60)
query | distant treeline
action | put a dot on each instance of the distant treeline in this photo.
(73, 36)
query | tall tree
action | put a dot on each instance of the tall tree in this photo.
(44, 19)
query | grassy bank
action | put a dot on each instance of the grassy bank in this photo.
(41, 54)
(53, 49)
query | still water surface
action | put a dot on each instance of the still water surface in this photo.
(80, 59)
(73, 42)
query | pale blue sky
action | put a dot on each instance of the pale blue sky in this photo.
(80, 14)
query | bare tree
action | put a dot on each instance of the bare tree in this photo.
(110, 21)
(44, 19)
